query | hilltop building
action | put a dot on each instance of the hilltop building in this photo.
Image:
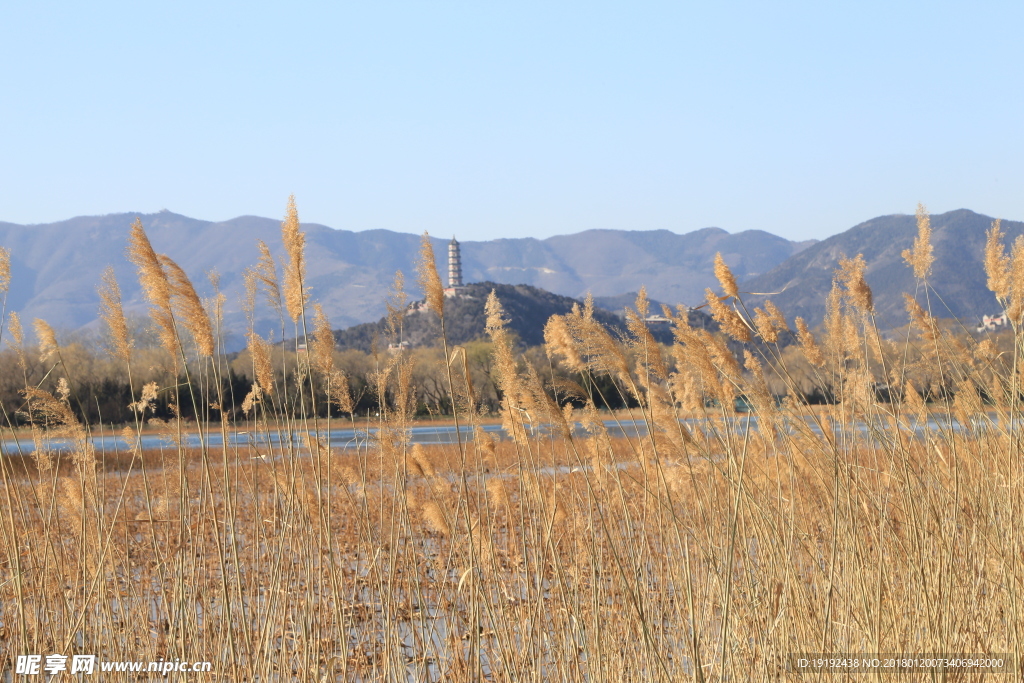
(455, 284)
(993, 323)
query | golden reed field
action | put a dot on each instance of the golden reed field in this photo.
(688, 542)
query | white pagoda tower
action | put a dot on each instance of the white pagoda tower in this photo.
(454, 268)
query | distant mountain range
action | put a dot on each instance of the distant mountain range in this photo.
(56, 266)
(958, 275)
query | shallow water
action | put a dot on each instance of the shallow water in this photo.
(447, 434)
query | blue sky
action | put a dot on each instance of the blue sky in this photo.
(500, 119)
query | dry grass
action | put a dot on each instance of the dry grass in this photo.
(706, 549)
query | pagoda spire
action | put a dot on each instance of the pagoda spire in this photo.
(454, 264)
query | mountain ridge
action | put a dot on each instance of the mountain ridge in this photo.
(57, 266)
(958, 275)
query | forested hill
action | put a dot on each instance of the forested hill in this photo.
(526, 308)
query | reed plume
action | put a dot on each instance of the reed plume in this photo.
(920, 257)
(47, 339)
(600, 352)
(764, 326)
(1016, 298)
(777, 318)
(730, 321)
(505, 368)
(428, 277)
(18, 335)
(250, 283)
(188, 306)
(112, 315)
(322, 356)
(835, 324)
(5, 270)
(148, 399)
(725, 277)
(396, 304)
(997, 263)
(497, 494)
(266, 274)
(254, 396)
(295, 294)
(643, 342)
(419, 459)
(259, 348)
(921, 319)
(435, 518)
(506, 372)
(57, 414)
(339, 392)
(851, 275)
(558, 340)
(155, 286)
(812, 352)
(758, 386)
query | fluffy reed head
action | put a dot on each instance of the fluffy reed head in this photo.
(725, 277)
(812, 352)
(252, 398)
(18, 335)
(46, 409)
(266, 274)
(505, 365)
(259, 348)
(338, 391)
(731, 322)
(5, 269)
(396, 305)
(434, 518)
(188, 306)
(640, 338)
(47, 339)
(15, 327)
(921, 319)
(323, 342)
(419, 461)
(851, 275)
(147, 400)
(155, 285)
(112, 315)
(778, 320)
(920, 257)
(250, 283)
(764, 327)
(295, 294)
(496, 493)
(558, 340)
(997, 263)
(428, 277)
(769, 323)
(1016, 297)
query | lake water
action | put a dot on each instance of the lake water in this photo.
(350, 438)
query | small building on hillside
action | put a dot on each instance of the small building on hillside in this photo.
(396, 347)
(993, 323)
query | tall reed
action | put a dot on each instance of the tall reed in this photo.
(675, 540)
